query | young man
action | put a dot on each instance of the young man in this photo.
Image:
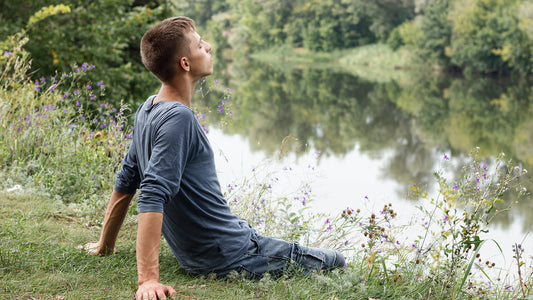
(171, 162)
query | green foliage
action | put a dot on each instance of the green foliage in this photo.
(58, 131)
(48, 11)
(461, 215)
(323, 25)
(487, 37)
(102, 33)
(477, 36)
(407, 34)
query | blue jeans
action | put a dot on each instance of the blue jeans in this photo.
(277, 257)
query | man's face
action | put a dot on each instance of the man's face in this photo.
(199, 56)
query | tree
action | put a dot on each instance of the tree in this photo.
(103, 33)
(487, 37)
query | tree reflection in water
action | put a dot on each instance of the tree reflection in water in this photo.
(331, 112)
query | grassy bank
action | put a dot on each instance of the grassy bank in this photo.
(39, 259)
(375, 62)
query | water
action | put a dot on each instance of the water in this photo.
(362, 144)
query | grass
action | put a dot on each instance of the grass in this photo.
(39, 259)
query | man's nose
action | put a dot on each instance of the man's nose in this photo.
(207, 46)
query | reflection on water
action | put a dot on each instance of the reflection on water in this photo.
(405, 126)
(375, 139)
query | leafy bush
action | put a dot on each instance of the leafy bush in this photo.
(59, 130)
(102, 33)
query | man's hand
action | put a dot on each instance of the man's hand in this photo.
(95, 249)
(152, 290)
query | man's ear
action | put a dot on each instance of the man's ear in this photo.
(184, 64)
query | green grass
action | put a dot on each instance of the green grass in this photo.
(39, 259)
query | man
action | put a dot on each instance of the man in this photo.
(171, 162)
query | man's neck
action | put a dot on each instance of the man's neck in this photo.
(179, 89)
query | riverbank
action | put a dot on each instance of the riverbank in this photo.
(376, 62)
(40, 259)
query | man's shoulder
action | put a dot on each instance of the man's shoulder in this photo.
(177, 110)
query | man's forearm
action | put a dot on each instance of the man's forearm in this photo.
(148, 238)
(114, 217)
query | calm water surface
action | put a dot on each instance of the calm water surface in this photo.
(363, 143)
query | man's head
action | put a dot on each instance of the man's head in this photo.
(164, 44)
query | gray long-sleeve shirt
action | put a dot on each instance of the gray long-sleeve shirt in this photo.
(171, 161)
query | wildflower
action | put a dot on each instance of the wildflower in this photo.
(445, 219)
(6, 53)
(43, 80)
(216, 81)
(455, 186)
(446, 157)
(89, 87)
(197, 91)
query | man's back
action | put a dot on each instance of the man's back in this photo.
(177, 176)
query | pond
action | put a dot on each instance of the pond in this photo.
(363, 143)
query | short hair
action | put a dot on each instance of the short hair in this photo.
(164, 44)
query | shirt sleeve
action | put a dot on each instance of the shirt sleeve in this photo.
(128, 178)
(171, 148)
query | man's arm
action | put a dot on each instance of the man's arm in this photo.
(148, 239)
(114, 217)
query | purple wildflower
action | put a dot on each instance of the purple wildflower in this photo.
(446, 157)
(6, 53)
